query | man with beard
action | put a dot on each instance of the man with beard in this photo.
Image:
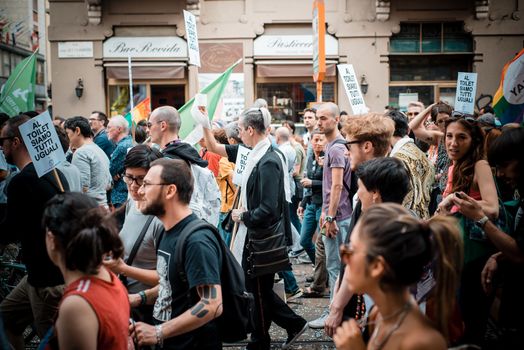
(35, 299)
(181, 322)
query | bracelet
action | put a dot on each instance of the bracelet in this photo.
(159, 335)
(143, 297)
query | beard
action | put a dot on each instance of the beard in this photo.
(155, 208)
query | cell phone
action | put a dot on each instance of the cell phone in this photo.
(459, 195)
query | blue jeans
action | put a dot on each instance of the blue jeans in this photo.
(309, 226)
(290, 282)
(226, 235)
(332, 253)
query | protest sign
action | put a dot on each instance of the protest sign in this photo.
(192, 38)
(240, 166)
(466, 90)
(42, 142)
(349, 79)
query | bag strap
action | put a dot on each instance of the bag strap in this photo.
(139, 240)
(190, 228)
(341, 141)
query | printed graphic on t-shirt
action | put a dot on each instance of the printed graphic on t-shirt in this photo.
(162, 310)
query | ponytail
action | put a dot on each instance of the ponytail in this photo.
(448, 250)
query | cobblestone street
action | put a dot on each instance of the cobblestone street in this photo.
(310, 309)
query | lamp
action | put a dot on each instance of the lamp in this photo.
(364, 84)
(79, 89)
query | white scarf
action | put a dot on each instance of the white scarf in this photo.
(254, 157)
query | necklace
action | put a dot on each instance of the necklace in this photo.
(403, 312)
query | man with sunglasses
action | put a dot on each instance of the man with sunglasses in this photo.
(35, 299)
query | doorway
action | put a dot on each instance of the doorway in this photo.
(167, 95)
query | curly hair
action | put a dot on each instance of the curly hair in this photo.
(464, 169)
(372, 127)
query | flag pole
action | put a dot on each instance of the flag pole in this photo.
(6, 88)
(131, 98)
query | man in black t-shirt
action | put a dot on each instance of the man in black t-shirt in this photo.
(182, 322)
(35, 299)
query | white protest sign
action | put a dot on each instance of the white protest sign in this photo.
(349, 79)
(466, 90)
(240, 165)
(192, 38)
(42, 142)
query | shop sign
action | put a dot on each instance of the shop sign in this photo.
(75, 49)
(466, 90)
(192, 38)
(145, 47)
(349, 79)
(291, 45)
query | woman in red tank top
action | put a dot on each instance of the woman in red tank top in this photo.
(94, 311)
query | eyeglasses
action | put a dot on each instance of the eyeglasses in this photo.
(465, 116)
(2, 139)
(128, 179)
(412, 114)
(145, 184)
(349, 143)
(150, 124)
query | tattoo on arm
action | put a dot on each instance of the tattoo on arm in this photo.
(206, 293)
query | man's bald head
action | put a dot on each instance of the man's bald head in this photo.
(282, 134)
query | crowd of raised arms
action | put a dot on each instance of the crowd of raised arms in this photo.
(411, 223)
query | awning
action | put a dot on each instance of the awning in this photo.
(281, 68)
(146, 70)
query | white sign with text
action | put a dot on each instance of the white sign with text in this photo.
(240, 165)
(466, 90)
(75, 49)
(145, 47)
(192, 38)
(42, 142)
(291, 45)
(352, 87)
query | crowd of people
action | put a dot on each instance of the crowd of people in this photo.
(412, 223)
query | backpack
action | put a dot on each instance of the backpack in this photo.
(238, 306)
(205, 200)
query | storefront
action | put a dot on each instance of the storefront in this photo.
(159, 71)
(284, 72)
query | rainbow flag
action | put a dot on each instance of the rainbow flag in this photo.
(140, 112)
(508, 101)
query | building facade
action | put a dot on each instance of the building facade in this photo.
(22, 31)
(400, 50)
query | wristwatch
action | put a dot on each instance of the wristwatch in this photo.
(329, 218)
(482, 222)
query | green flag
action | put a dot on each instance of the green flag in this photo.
(18, 93)
(214, 93)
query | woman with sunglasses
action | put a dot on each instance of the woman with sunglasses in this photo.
(94, 310)
(386, 255)
(471, 174)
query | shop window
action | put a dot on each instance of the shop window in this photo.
(119, 102)
(447, 37)
(428, 67)
(6, 64)
(40, 73)
(288, 100)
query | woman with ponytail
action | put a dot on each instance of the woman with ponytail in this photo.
(94, 311)
(387, 254)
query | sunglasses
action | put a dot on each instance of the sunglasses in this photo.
(465, 116)
(2, 139)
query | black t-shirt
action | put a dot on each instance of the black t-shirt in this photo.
(232, 152)
(27, 195)
(202, 265)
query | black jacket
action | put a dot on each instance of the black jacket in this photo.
(184, 151)
(315, 174)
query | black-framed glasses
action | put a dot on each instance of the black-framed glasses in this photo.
(128, 179)
(349, 143)
(2, 139)
(145, 184)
